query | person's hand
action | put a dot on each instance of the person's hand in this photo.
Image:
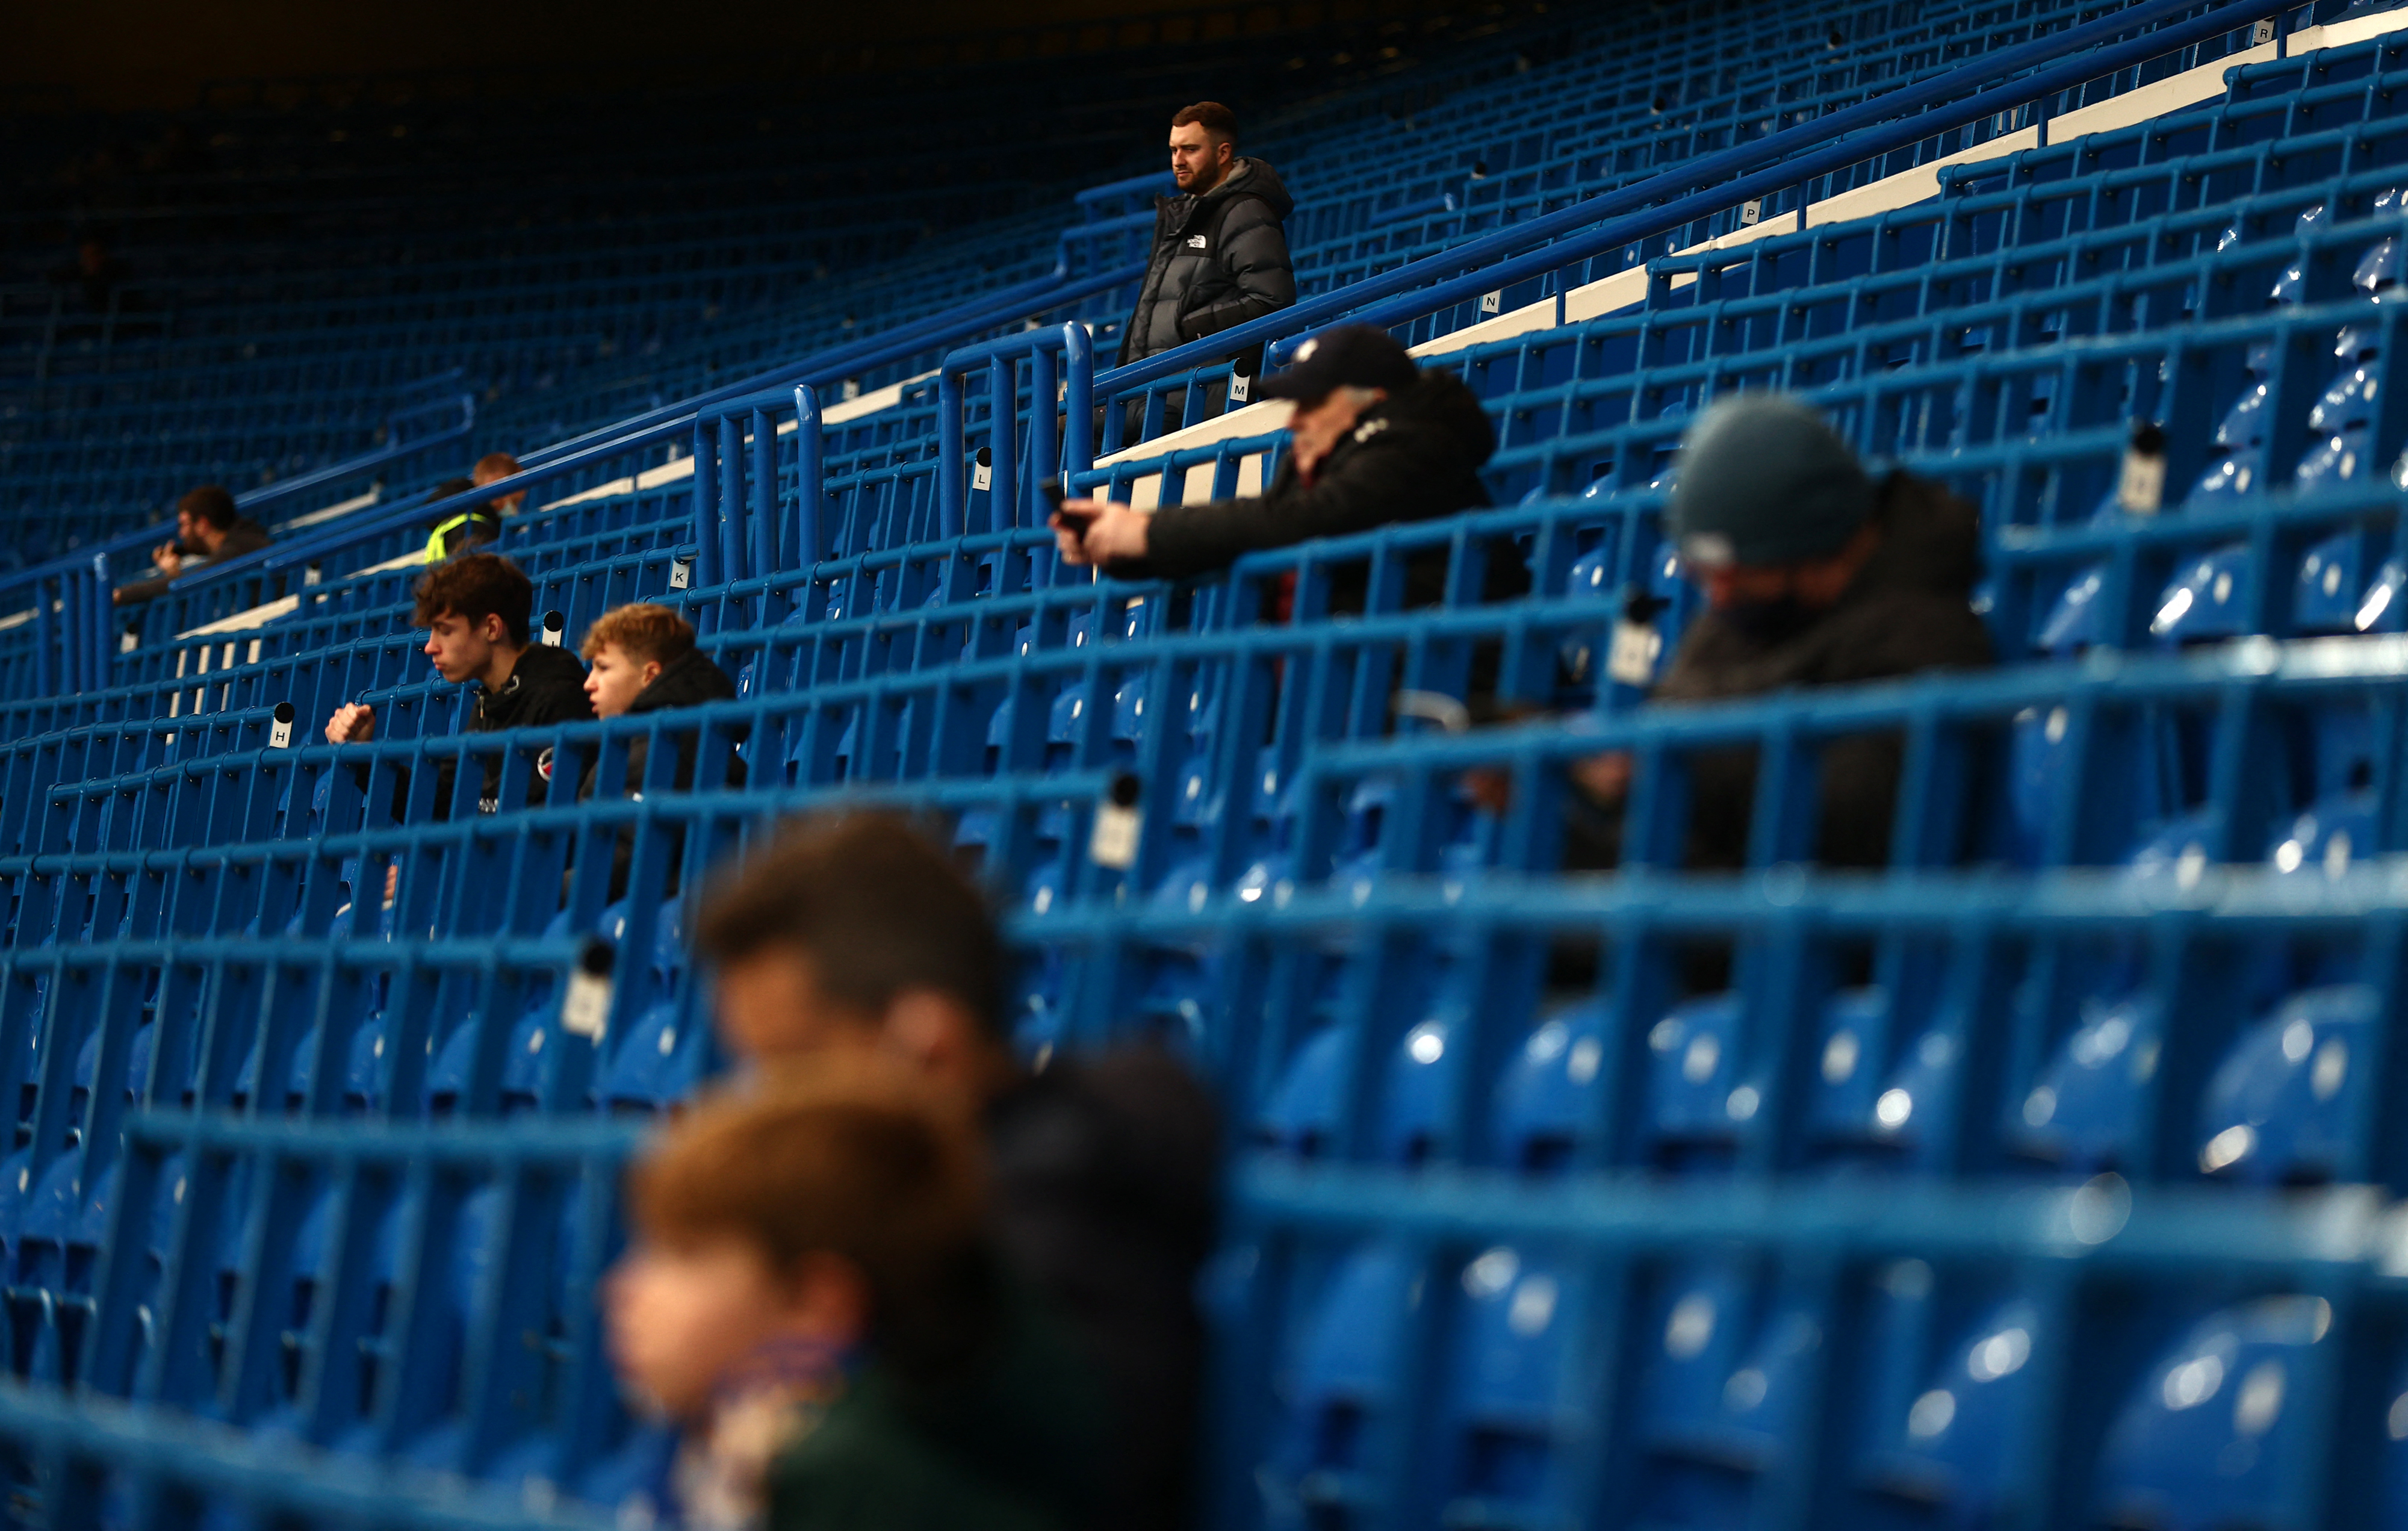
(167, 560)
(1116, 532)
(354, 723)
(1605, 778)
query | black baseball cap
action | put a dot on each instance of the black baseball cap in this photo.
(1351, 355)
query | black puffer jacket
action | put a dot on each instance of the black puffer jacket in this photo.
(1908, 610)
(1410, 457)
(1219, 259)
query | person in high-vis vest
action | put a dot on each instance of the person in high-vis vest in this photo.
(463, 531)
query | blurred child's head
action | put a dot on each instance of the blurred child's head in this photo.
(835, 1210)
(627, 648)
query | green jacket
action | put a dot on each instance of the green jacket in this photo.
(1013, 1444)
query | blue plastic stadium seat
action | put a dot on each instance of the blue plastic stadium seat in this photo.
(1546, 1107)
(1343, 1383)
(1721, 1393)
(1846, 1083)
(1954, 1446)
(2207, 599)
(2283, 1104)
(1696, 1099)
(2237, 451)
(1504, 1409)
(1302, 1116)
(2343, 418)
(2084, 1112)
(2214, 1434)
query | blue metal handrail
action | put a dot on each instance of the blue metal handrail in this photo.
(1073, 415)
(1646, 208)
(394, 450)
(834, 365)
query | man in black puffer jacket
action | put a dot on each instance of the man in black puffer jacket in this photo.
(1220, 251)
(1374, 440)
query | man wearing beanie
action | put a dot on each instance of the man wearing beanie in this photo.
(1816, 574)
(1372, 440)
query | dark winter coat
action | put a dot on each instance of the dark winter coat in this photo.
(1006, 1443)
(546, 686)
(1105, 1180)
(245, 535)
(691, 680)
(1908, 610)
(1219, 259)
(1411, 457)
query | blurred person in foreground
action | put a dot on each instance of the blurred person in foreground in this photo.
(857, 934)
(208, 530)
(1816, 572)
(1372, 440)
(811, 1297)
(475, 610)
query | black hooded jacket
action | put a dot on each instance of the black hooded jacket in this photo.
(1219, 259)
(690, 680)
(1908, 610)
(1411, 457)
(547, 685)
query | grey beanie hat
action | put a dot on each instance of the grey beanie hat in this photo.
(1764, 481)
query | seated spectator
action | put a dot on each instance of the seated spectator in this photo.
(856, 935)
(1372, 440)
(810, 1296)
(496, 466)
(1815, 574)
(460, 531)
(644, 660)
(209, 529)
(475, 610)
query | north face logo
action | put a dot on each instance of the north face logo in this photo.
(1197, 241)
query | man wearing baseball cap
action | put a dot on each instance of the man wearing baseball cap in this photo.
(1816, 572)
(1372, 440)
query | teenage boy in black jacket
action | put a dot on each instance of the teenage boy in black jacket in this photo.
(475, 610)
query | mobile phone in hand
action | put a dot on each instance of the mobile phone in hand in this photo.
(1078, 521)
